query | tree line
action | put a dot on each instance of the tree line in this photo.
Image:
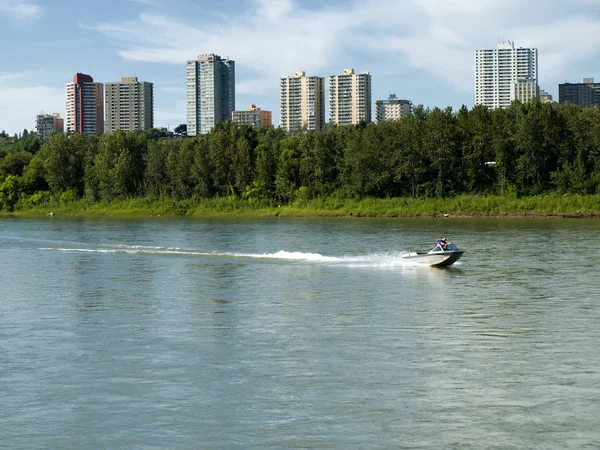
(526, 149)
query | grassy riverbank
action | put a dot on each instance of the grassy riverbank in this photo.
(551, 205)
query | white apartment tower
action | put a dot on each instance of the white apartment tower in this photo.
(505, 74)
(350, 98)
(210, 92)
(302, 102)
(129, 105)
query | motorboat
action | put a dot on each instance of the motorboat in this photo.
(436, 257)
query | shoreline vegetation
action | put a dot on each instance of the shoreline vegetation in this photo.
(548, 205)
(530, 159)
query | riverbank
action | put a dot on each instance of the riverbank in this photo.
(550, 205)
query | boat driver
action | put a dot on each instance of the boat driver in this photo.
(442, 243)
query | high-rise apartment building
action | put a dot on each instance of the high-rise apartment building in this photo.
(85, 105)
(253, 116)
(47, 124)
(391, 109)
(210, 92)
(505, 74)
(302, 102)
(582, 94)
(129, 105)
(350, 98)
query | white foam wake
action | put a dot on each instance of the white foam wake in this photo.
(385, 259)
(292, 256)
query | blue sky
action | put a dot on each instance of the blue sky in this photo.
(421, 50)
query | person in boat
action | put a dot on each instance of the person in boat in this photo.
(442, 243)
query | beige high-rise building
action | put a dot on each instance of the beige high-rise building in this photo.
(302, 102)
(85, 105)
(47, 124)
(253, 116)
(545, 97)
(392, 109)
(129, 105)
(526, 90)
(350, 98)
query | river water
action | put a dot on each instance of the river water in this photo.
(298, 333)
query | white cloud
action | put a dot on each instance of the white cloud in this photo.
(568, 41)
(271, 39)
(145, 2)
(276, 40)
(19, 9)
(273, 11)
(22, 100)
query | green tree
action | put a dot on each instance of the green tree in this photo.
(31, 143)
(119, 165)
(221, 161)
(353, 165)
(475, 131)
(407, 153)
(242, 164)
(440, 144)
(64, 163)
(180, 130)
(153, 134)
(201, 171)
(14, 163)
(540, 133)
(287, 178)
(156, 179)
(320, 162)
(180, 165)
(34, 176)
(10, 192)
(503, 132)
(267, 155)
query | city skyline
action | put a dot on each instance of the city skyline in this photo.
(421, 51)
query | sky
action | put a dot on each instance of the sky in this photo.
(420, 50)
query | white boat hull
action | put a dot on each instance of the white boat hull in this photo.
(434, 259)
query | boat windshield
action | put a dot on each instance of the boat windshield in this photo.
(449, 248)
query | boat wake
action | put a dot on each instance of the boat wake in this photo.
(384, 259)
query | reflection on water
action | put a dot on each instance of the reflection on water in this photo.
(297, 333)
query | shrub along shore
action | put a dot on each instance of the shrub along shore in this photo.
(551, 205)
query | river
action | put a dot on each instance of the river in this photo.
(298, 333)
